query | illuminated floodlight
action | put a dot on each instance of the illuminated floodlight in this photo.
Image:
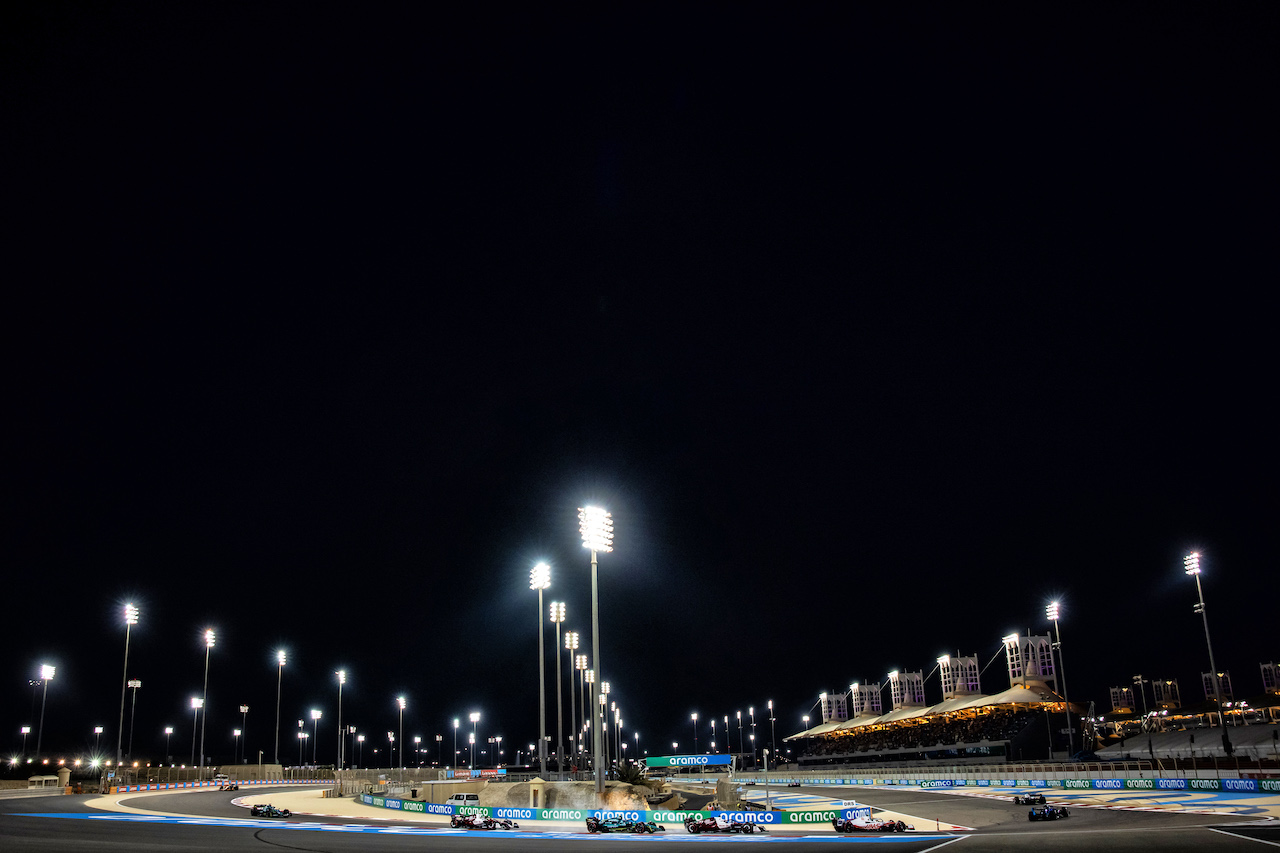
(571, 641)
(46, 672)
(280, 657)
(945, 659)
(196, 703)
(540, 576)
(401, 703)
(315, 715)
(596, 526)
(208, 638)
(893, 674)
(130, 615)
(1051, 611)
(1191, 563)
(557, 611)
(342, 676)
(580, 662)
(1011, 640)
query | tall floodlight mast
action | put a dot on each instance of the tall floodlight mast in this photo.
(596, 527)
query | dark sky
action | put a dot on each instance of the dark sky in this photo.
(876, 331)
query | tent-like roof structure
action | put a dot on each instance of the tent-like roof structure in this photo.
(1031, 693)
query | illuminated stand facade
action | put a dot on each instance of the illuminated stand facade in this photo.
(1030, 660)
(866, 699)
(1122, 700)
(959, 677)
(1167, 696)
(906, 689)
(1224, 678)
(834, 707)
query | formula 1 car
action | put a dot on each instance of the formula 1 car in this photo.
(793, 784)
(719, 824)
(229, 786)
(619, 824)
(475, 821)
(869, 824)
(1029, 800)
(268, 810)
(1048, 813)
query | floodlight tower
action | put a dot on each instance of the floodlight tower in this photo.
(695, 732)
(342, 735)
(596, 527)
(1052, 612)
(208, 647)
(280, 656)
(1191, 564)
(130, 619)
(557, 616)
(571, 646)
(401, 703)
(540, 579)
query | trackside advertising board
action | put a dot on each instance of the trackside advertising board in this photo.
(688, 761)
(797, 818)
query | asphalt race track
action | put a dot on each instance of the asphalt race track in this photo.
(46, 824)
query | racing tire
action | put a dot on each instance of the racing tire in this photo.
(286, 813)
(1031, 816)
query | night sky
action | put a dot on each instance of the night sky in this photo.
(876, 331)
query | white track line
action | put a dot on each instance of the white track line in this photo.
(1244, 837)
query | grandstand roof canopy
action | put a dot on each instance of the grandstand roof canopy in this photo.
(1031, 693)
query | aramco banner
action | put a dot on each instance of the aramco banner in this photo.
(688, 761)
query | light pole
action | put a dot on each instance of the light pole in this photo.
(695, 733)
(417, 748)
(360, 749)
(208, 647)
(472, 739)
(713, 734)
(1052, 612)
(773, 737)
(130, 619)
(580, 663)
(741, 748)
(168, 733)
(391, 740)
(244, 723)
(571, 646)
(1191, 564)
(302, 741)
(455, 740)
(134, 684)
(280, 656)
(475, 720)
(596, 527)
(235, 751)
(401, 704)
(805, 720)
(557, 616)
(26, 730)
(46, 674)
(588, 726)
(315, 728)
(342, 734)
(440, 749)
(97, 740)
(728, 741)
(196, 704)
(540, 579)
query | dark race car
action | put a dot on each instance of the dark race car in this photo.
(619, 824)
(719, 824)
(793, 784)
(868, 824)
(474, 821)
(1029, 800)
(268, 810)
(1048, 813)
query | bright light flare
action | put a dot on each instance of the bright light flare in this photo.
(315, 715)
(1191, 563)
(1052, 611)
(401, 703)
(46, 672)
(342, 676)
(540, 576)
(130, 615)
(596, 526)
(209, 637)
(280, 657)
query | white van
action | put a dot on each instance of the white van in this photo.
(458, 800)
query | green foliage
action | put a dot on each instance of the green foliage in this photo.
(634, 775)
